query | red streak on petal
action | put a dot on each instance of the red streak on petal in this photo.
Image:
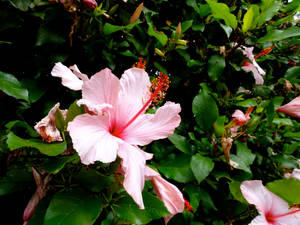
(159, 87)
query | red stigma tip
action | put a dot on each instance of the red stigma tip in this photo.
(140, 64)
(188, 205)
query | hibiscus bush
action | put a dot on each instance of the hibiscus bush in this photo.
(131, 112)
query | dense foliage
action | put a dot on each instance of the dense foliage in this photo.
(199, 44)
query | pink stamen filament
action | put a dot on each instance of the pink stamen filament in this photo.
(119, 131)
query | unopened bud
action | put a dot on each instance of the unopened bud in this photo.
(159, 52)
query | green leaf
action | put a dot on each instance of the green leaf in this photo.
(127, 209)
(243, 158)
(216, 65)
(283, 122)
(110, 28)
(268, 10)
(15, 142)
(178, 168)
(75, 207)
(194, 193)
(12, 87)
(278, 35)
(22, 5)
(54, 165)
(59, 120)
(16, 179)
(205, 110)
(186, 25)
(93, 180)
(221, 11)
(235, 190)
(247, 103)
(180, 142)
(160, 36)
(280, 187)
(219, 126)
(73, 111)
(292, 6)
(17, 123)
(250, 18)
(201, 166)
(46, 35)
(293, 74)
(35, 89)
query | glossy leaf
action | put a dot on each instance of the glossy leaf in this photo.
(73, 111)
(221, 11)
(75, 207)
(12, 87)
(205, 110)
(249, 20)
(280, 187)
(159, 35)
(243, 158)
(216, 65)
(15, 142)
(278, 35)
(201, 166)
(177, 168)
(180, 142)
(268, 10)
(127, 209)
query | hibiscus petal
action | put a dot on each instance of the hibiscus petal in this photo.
(103, 87)
(134, 93)
(258, 78)
(264, 200)
(167, 192)
(94, 109)
(68, 78)
(259, 220)
(92, 140)
(292, 108)
(133, 165)
(149, 127)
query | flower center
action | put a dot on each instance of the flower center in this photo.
(271, 218)
(158, 89)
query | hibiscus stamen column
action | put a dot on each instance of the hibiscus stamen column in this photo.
(159, 87)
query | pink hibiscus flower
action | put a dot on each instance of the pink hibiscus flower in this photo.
(292, 108)
(272, 209)
(253, 66)
(240, 118)
(117, 124)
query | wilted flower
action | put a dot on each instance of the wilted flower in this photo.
(272, 209)
(47, 126)
(120, 124)
(292, 108)
(252, 66)
(40, 192)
